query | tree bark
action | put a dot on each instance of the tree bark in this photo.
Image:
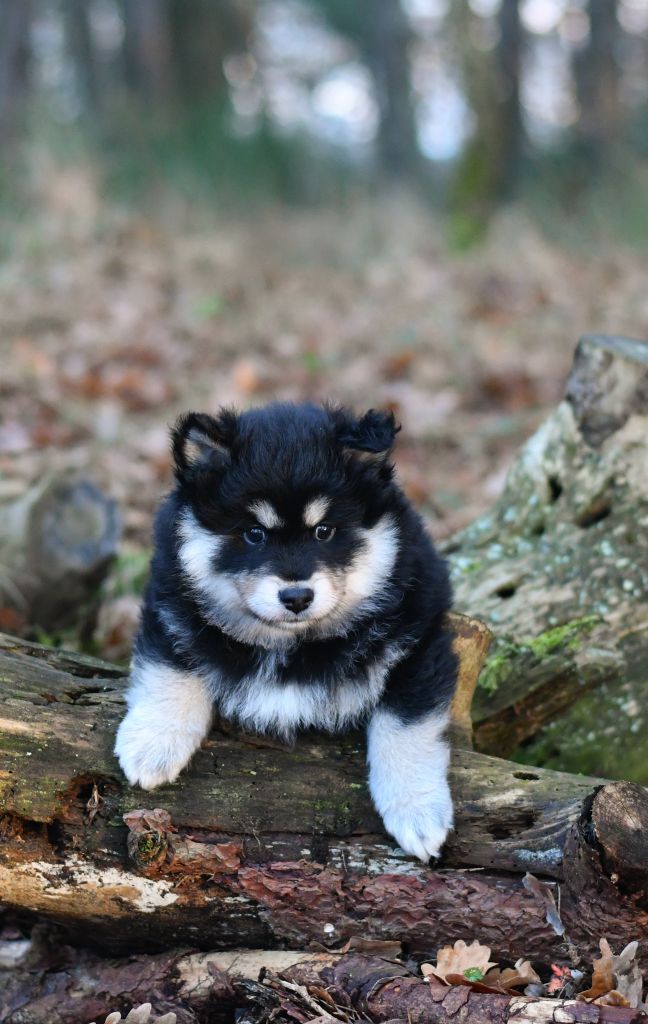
(387, 38)
(509, 59)
(147, 50)
(15, 52)
(82, 52)
(262, 845)
(273, 986)
(559, 568)
(203, 34)
(597, 74)
(488, 172)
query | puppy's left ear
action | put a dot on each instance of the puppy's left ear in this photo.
(372, 436)
(200, 441)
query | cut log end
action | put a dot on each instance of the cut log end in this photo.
(619, 818)
(607, 384)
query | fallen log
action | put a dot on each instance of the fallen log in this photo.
(272, 986)
(262, 845)
(56, 544)
(559, 567)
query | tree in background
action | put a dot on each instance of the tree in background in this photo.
(489, 169)
(150, 78)
(204, 33)
(81, 48)
(15, 20)
(147, 50)
(381, 33)
(598, 83)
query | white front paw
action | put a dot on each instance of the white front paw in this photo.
(421, 822)
(151, 756)
(408, 766)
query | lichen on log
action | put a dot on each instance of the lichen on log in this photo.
(559, 567)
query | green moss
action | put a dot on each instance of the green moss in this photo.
(150, 847)
(569, 636)
(505, 656)
(499, 665)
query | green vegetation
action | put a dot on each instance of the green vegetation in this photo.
(504, 660)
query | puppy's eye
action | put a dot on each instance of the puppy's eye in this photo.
(254, 536)
(323, 531)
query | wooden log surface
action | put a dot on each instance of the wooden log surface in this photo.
(262, 845)
(558, 568)
(270, 986)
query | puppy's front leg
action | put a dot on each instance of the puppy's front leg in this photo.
(408, 767)
(169, 714)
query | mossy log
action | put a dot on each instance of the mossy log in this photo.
(271, 986)
(559, 568)
(260, 845)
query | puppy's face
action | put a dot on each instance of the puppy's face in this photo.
(287, 529)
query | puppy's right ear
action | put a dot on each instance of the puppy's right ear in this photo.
(200, 441)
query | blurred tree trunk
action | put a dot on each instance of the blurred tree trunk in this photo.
(381, 33)
(488, 173)
(15, 19)
(203, 34)
(386, 46)
(508, 56)
(147, 50)
(597, 79)
(81, 49)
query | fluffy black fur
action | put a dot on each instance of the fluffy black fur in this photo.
(288, 454)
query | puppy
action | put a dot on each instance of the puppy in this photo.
(293, 586)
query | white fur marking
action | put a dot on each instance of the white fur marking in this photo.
(198, 550)
(408, 766)
(169, 713)
(263, 705)
(315, 510)
(372, 566)
(266, 514)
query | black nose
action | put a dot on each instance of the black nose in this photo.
(296, 598)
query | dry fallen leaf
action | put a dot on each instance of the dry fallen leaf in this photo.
(544, 894)
(140, 1015)
(144, 820)
(616, 978)
(386, 948)
(602, 976)
(512, 977)
(462, 962)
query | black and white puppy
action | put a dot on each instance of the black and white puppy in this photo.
(293, 586)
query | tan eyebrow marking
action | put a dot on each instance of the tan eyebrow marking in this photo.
(266, 514)
(315, 510)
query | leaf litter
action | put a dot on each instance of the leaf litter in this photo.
(105, 336)
(616, 979)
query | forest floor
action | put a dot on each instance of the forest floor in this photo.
(111, 324)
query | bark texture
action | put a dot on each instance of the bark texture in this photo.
(271, 986)
(559, 568)
(261, 845)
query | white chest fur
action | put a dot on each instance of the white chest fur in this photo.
(263, 704)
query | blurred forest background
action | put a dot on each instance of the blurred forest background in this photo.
(471, 101)
(419, 204)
